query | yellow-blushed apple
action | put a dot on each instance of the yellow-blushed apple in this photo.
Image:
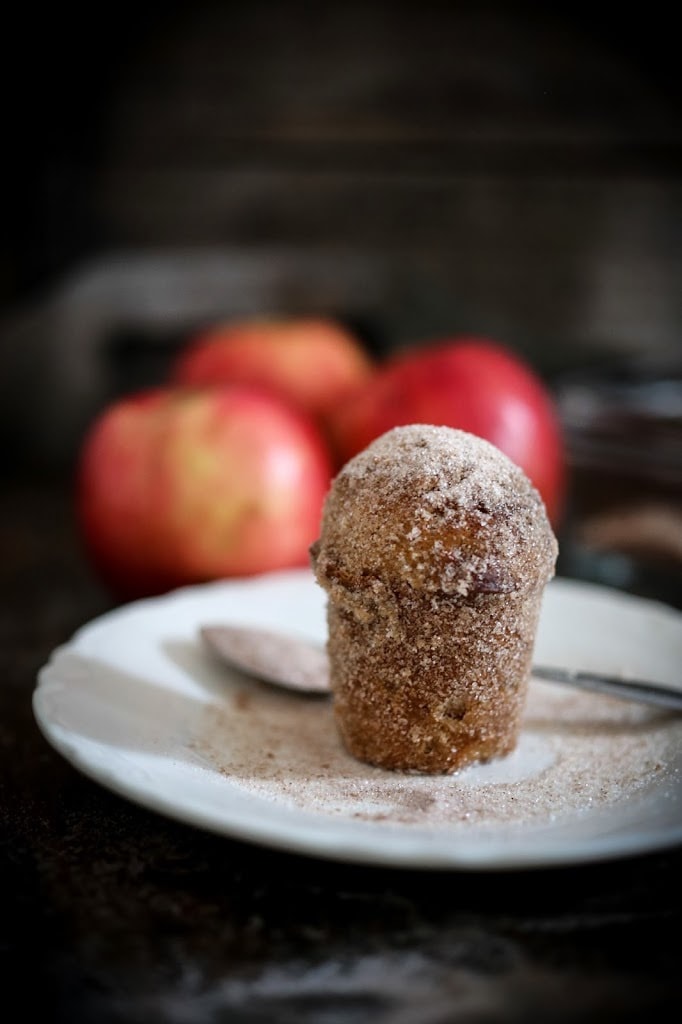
(178, 486)
(314, 362)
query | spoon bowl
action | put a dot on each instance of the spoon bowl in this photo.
(281, 659)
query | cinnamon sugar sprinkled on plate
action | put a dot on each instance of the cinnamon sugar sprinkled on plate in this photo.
(578, 753)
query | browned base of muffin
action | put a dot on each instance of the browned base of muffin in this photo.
(430, 685)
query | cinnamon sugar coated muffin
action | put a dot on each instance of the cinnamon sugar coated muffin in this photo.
(434, 552)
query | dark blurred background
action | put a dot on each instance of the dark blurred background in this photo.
(415, 169)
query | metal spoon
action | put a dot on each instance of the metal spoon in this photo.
(296, 663)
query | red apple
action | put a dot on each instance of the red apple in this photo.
(178, 486)
(313, 362)
(470, 383)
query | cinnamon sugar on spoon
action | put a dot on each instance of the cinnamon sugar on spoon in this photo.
(270, 655)
(434, 552)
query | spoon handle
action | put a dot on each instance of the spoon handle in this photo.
(630, 689)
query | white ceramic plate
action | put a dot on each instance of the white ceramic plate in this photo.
(134, 702)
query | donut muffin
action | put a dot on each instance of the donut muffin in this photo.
(434, 551)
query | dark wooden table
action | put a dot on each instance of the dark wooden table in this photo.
(112, 914)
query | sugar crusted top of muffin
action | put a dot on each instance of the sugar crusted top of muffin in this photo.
(436, 509)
